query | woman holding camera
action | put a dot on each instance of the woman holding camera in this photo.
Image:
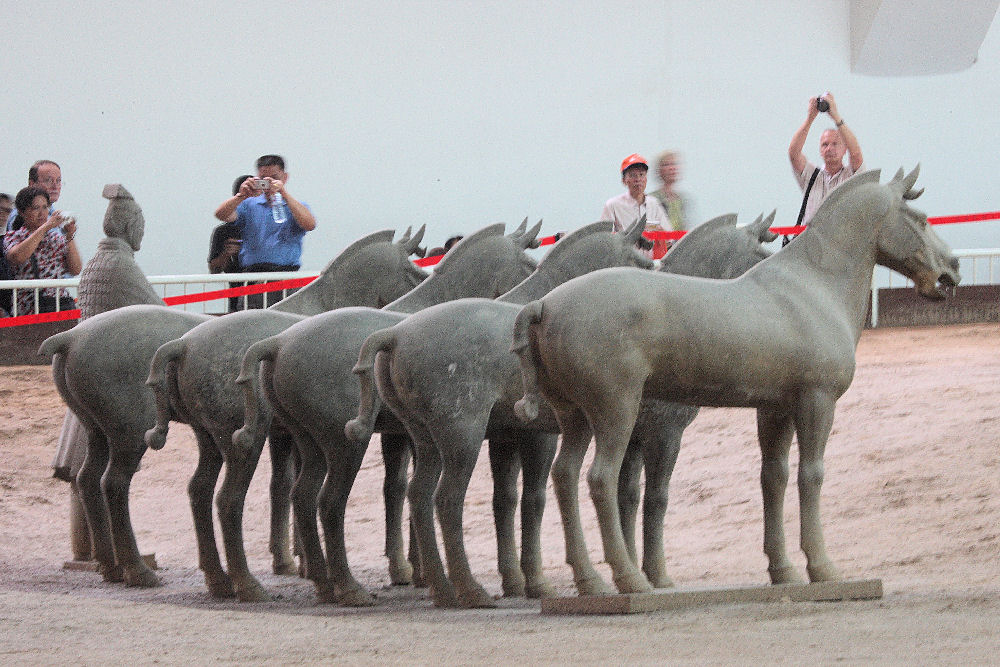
(36, 249)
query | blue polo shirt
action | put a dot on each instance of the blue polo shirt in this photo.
(264, 240)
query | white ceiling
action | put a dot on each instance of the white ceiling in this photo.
(917, 37)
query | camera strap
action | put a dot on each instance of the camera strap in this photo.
(805, 197)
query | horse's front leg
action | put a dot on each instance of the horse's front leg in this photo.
(774, 432)
(813, 422)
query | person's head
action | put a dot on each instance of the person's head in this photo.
(46, 174)
(634, 169)
(32, 205)
(832, 150)
(272, 166)
(452, 241)
(239, 181)
(6, 206)
(668, 167)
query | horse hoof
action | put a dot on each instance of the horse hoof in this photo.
(444, 598)
(141, 578)
(112, 573)
(476, 598)
(253, 592)
(593, 585)
(825, 571)
(539, 590)
(284, 565)
(400, 573)
(513, 585)
(785, 575)
(220, 587)
(660, 580)
(633, 583)
(357, 597)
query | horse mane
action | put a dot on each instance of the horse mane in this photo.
(355, 248)
(469, 242)
(565, 245)
(824, 212)
(706, 228)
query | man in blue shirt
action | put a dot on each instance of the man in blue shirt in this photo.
(270, 220)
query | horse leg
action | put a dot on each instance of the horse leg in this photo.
(566, 479)
(660, 449)
(200, 489)
(612, 421)
(95, 503)
(305, 494)
(505, 465)
(343, 461)
(280, 445)
(629, 493)
(396, 457)
(420, 493)
(813, 421)
(459, 444)
(122, 464)
(537, 452)
(241, 462)
(774, 432)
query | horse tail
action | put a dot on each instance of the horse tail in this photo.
(256, 416)
(56, 344)
(167, 353)
(360, 428)
(526, 408)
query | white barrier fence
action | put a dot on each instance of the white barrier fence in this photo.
(978, 267)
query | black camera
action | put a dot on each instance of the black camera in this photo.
(822, 105)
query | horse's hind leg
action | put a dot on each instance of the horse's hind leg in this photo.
(774, 431)
(201, 488)
(813, 421)
(612, 420)
(505, 463)
(95, 504)
(629, 492)
(537, 452)
(396, 457)
(280, 446)
(566, 479)
(126, 451)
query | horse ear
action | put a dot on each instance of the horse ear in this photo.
(908, 182)
(405, 238)
(763, 228)
(413, 246)
(530, 238)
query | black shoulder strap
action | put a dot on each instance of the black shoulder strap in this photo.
(805, 197)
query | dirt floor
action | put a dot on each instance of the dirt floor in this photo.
(912, 497)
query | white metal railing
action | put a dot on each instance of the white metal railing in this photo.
(971, 265)
(977, 266)
(167, 286)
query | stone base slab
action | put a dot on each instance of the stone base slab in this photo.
(635, 603)
(92, 566)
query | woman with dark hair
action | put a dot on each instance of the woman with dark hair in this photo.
(34, 249)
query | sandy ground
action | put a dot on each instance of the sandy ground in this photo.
(911, 497)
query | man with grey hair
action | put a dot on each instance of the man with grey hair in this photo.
(44, 174)
(834, 143)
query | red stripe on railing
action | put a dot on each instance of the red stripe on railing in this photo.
(426, 261)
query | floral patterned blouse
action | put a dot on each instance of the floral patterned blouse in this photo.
(51, 260)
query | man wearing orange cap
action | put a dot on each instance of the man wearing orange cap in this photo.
(632, 204)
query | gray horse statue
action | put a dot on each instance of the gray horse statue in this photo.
(460, 274)
(449, 376)
(100, 368)
(781, 338)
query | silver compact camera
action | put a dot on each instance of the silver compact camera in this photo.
(67, 218)
(261, 183)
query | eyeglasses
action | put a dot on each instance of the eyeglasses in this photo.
(50, 181)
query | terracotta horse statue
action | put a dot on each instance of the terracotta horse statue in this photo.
(304, 371)
(100, 367)
(448, 374)
(781, 338)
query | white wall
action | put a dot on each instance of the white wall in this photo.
(459, 114)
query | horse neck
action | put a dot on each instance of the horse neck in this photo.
(834, 261)
(535, 286)
(336, 287)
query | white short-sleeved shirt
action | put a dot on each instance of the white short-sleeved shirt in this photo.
(824, 185)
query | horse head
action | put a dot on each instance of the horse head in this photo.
(908, 244)
(720, 249)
